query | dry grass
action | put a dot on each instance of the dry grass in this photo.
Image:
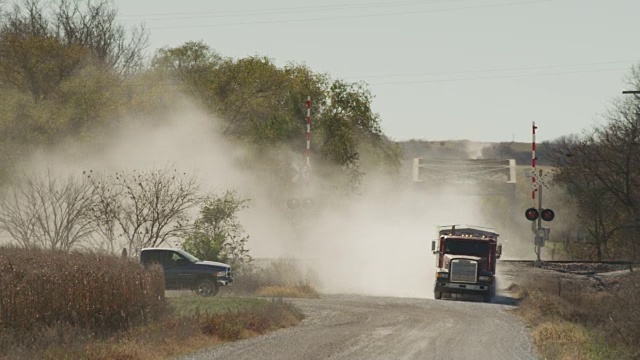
(561, 339)
(276, 278)
(305, 291)
(178, 333)
(571, 320)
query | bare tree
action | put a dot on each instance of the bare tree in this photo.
(104, 214)
(144, 208)
(602, 172)
(93, 25)
(45, 211)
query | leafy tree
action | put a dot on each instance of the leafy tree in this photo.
(217, 234)
(265, 107)
(61, 69)
(348, 128)
(42, 46)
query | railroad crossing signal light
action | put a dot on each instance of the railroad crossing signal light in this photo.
(293, 203)
(547, 215)
(531, 214)
(307, 203)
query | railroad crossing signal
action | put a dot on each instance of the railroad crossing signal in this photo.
(532, 214)
(295, 203)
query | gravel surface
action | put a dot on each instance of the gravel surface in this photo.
(361, 327)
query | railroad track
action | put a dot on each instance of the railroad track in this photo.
(579, 266)
(572, 262)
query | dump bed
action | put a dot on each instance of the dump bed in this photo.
(472, 230)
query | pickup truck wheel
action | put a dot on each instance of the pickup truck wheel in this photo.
(206, 287)
(437, 295)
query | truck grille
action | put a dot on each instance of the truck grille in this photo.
(463, 270)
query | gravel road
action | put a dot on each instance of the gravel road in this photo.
(361, 327)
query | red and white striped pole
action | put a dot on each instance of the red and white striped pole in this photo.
(308, 134)
(533, 162)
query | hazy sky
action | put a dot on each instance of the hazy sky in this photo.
(440, 69)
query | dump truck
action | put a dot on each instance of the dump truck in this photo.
(466, 261)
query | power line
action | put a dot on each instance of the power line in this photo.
(540, 67)
(489, 70)
(493, 77)
(279, 11)
(182, 89)
(306, 20)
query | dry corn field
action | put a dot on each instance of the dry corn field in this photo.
(99, 292)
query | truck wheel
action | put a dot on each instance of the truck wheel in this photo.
(437, 295)
(490, 294)
(206, 287)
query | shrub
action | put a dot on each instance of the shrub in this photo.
(275, 275)
(235, 325)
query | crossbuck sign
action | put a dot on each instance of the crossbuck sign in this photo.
(544, 180)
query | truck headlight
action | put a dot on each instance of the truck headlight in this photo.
(442, 275)
(221, 273)
(484, 278)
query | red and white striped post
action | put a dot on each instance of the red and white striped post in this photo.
(533, 162)
(308, 133)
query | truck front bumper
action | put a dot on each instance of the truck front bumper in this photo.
(225, 281)
(462, 288)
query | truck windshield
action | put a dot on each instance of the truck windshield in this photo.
(470, 248)
(190, 257)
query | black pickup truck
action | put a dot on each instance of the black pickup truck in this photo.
(184, 271)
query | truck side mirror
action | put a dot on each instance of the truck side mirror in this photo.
(433, 245)
(498, 251)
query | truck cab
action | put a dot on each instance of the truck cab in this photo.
(466, 261)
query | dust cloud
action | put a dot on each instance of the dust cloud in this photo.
(376, 243)
(380, 243)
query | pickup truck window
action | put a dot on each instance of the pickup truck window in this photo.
(151, 257)
(190, 257)
(178, 260)
(173, 259)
